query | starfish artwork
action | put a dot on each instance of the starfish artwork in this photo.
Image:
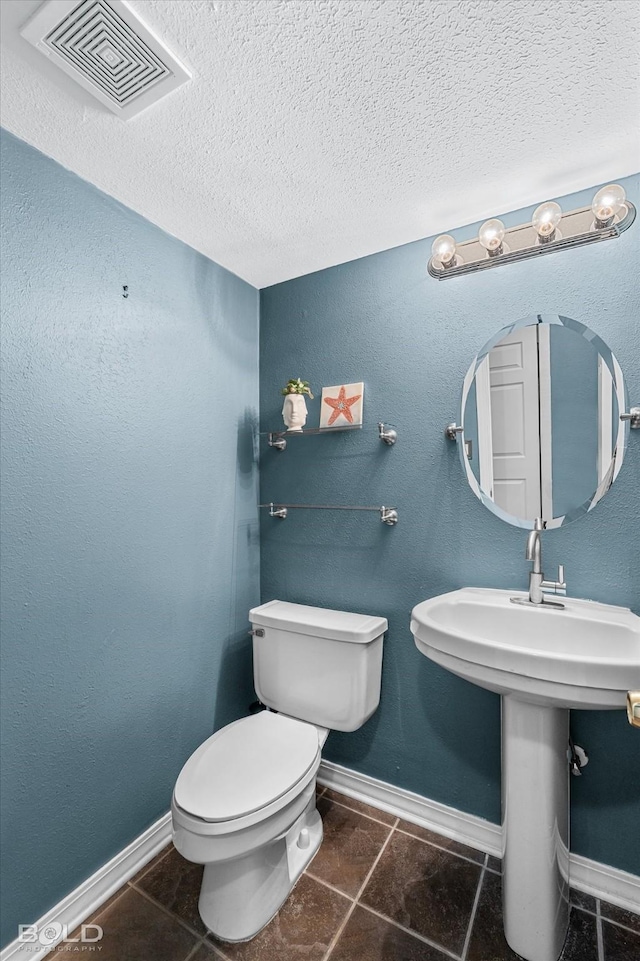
(340, 404)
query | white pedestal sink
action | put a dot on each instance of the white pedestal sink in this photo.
(543, 661)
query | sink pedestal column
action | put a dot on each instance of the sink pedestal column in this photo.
(535, 828)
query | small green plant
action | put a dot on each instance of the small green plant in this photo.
(297, 386)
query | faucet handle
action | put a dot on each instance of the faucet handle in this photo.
(559, 586)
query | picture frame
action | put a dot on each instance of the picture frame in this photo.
(342, 405)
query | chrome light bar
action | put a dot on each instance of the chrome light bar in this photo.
(609, 216)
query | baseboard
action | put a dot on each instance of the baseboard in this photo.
(606, 882)
(592, 877)
(87, 898)
(452, 823)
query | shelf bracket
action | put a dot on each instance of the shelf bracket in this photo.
(277, 440)
(389, 516)
(387, 435)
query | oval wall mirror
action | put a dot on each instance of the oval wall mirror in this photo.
(540, 412)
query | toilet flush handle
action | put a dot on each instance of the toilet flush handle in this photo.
(256, 632)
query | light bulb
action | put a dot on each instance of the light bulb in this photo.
(491, 236)
(545, 219)
(443, 250)
(608, 202)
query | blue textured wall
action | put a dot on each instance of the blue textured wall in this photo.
(129, 523)
(411, 339)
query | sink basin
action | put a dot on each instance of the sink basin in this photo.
(585, 656)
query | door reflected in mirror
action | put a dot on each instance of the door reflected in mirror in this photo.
(542, 435)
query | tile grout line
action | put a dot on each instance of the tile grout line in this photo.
(447, 850)
(577, 907)
(414, 836)
(594, 914)
(400, 830)
(357, 902)
(474, 909)
(352, 907)
(202, 938)
(356, 811)
(193, 951)
(170, 914)
(334, 800)
(217, 952)
(396, 924)
(414, 934)
(326, 884)
(410, 931)
(599, 936)
(618, 924)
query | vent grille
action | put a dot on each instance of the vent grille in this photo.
(108, 50)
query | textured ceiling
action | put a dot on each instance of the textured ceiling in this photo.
(318, 131)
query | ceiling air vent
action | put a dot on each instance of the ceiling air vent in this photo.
(107, 49)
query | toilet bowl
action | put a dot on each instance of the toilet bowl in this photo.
(244, 802)
(244, 805)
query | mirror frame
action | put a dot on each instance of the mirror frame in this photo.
(620, 390)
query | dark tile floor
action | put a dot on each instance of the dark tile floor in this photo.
(379, 889)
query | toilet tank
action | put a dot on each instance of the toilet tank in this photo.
(316, 664)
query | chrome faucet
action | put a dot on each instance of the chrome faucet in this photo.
(537, 583)
(534, 553)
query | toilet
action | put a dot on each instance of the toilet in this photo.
(244, 804)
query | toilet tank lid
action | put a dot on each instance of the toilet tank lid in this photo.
(319, 621)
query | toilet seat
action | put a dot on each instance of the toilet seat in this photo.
(248, 770)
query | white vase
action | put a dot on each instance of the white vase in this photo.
(294, 411)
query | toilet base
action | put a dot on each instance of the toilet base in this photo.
(239, 897)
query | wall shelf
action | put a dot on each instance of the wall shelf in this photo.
(278, 438)
(388, 515)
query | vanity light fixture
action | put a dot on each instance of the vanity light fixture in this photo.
(609, 215)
